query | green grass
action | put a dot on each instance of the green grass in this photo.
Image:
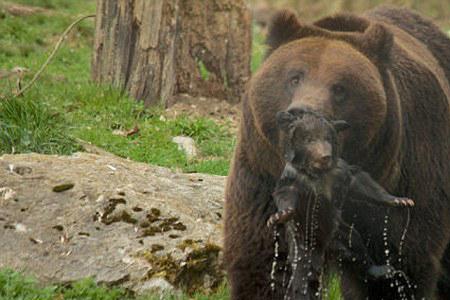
(258, 48)
(74, 107)
(27, 126)
(16, 286)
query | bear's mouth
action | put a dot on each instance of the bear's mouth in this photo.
(314, 173)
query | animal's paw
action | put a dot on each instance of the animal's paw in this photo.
(280, 217)
(406, 202)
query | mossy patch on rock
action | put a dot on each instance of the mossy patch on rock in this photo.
(199, 270)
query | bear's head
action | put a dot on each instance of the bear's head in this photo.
(309, 141)
(334, 67)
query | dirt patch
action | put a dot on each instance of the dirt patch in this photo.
(20, 10)
(220, 111)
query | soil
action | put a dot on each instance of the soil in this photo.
(220, 111)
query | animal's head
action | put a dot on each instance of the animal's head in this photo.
(332, 67)
(309, 141)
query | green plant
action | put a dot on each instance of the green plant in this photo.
(258, 48)
(87, 289)
(204, 73)
(14, 286)
(30, 126)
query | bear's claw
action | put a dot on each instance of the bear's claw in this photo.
(404, 202)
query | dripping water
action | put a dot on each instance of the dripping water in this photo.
(275, 258)
(399, 273)
(385, 238)
(350, 234)
(402, 239)
(307, 225)
(294, 259)
(400, 287)
(314, 222)
(397, 276)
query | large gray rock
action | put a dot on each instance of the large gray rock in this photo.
(121, 222)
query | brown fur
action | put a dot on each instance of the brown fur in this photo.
(396, 67)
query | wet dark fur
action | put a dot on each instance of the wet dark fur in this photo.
(399, 134)
(327, 191)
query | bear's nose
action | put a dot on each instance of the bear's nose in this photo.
(297, 110)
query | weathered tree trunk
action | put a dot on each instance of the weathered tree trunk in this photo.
(155, 49)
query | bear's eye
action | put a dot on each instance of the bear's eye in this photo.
(295, 79)
(339, 93)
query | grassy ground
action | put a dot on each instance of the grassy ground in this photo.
(16, 286)
(65, 105)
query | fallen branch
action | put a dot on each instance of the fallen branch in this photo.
(49, 59)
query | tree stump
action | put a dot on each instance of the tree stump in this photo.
(160, 48)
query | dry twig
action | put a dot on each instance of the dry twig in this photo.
(49, 59)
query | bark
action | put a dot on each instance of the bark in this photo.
(158, 49)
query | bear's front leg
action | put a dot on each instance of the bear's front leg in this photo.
(249, 243)
(364, 188)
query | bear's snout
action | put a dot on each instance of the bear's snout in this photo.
(321, 156)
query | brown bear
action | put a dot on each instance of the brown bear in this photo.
(387, 74)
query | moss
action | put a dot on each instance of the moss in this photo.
(150, 231)
(179, 226)
(137, 209)
(122, 216)
(153, 215)
(144, 224)
(63, 187)
(156, 212)
(203, 260)
(186, 243)
(165, 228)
(152, 218)
(188, 274)
(156, 248)
(116, 201)
(162, 266)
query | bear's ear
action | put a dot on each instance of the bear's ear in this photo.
(283, 28)
(285, 120)
(340, 125)
(377, 41)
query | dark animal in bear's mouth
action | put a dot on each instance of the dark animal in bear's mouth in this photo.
(307, 137)
(311, 155)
